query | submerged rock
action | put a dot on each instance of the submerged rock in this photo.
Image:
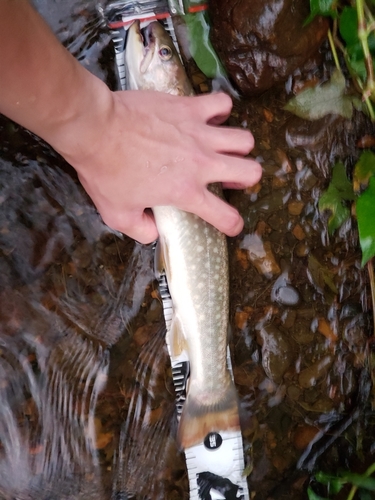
(263, 42)
(277, 354)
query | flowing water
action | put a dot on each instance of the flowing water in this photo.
(87, 405)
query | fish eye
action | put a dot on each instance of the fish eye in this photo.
(165, 52)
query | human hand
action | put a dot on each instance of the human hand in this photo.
(132, 150)
(152, 150)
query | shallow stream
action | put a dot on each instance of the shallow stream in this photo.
(86, 396)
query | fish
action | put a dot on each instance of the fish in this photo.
(194, 256)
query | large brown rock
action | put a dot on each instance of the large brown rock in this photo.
(262, 42)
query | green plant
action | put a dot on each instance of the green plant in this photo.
(363, 484)
(353, 33)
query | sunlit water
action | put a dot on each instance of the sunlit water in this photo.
(86, 408)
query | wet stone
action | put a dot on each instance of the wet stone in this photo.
(277, 354)
(261, 43)
(302, 249)
(305, 180)
(261, 255)
(303, 435)
(284, 293)
(311, 395)
(294, 392)
(302, 333)
(311, 375)
(295, 207)
(287, 295)
(154, 312)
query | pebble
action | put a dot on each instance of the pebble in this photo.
(276, 352)
(284, 293)
(294, 392)
(298, 232)
(295, 207)
(310, 375)
(302, 249)
(287, 295)
(261, 255)
(303, 436)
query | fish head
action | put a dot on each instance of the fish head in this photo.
(152, 61)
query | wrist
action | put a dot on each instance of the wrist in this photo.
(80, 126)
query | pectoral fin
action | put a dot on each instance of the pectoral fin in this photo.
(176, 338)
(161, 260)
(159, 265)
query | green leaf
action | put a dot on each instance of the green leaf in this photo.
(321, 275)
(348, 25)
(363, 171)
(364, 495)
(200, 45)
(367, 483)
(324, 478)
(357, 67)
(334, 483)
(331, 200)
(313, 496)
(339, 191)
(325, 99)
(365, 208)
(341, 182)
(322, 7)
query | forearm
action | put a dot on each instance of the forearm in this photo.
(42, 86)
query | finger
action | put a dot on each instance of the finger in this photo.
(138, 225)
(229, 140)
(220, 214)
(232, 169)
(213, 108)
(234, 185)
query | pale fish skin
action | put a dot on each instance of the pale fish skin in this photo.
(195, 257)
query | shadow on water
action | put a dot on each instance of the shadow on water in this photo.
(87, 405)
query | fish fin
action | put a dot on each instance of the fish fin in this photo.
(176, 338)
(199, 419)
(159, 265)
(161, 260)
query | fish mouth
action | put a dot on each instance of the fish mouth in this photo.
(147, 36)
(142, 41)
(143, 35)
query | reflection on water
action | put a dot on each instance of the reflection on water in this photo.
(69, 289)
(87, 405)
(47, 414)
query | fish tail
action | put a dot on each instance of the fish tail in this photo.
(199, 419)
